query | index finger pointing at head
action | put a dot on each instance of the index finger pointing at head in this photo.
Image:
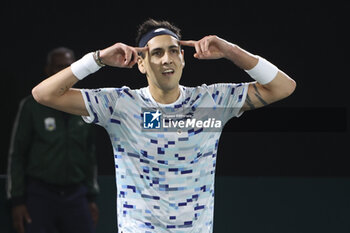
(188, 42)
(141, 49)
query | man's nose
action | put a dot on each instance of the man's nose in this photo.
(167, 58)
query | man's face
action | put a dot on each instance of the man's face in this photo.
(59, 61)
(163, 63)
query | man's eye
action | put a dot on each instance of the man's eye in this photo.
(174, 51)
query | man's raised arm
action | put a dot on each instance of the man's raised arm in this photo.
(271, 83)
(57, 92)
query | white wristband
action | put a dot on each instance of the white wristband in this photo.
(264, 72)
(85, 66)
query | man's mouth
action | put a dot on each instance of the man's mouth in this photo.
(168, 72)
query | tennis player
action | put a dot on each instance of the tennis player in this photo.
(165, 179)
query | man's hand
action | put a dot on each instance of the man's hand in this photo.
(94, 212)
(121, 55)
(209, 47)
(19, 215)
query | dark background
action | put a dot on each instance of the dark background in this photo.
(303, 135)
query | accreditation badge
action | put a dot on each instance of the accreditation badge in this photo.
(50, 123)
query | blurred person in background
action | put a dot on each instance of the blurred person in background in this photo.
(52, 169)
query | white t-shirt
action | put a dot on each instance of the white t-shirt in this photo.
(165, 177)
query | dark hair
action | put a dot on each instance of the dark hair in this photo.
(151, 24)
(59, 50)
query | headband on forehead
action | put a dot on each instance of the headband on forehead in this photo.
(156, 32)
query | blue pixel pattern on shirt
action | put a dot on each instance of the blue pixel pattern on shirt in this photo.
(165, 180)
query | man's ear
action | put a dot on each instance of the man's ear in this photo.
(141, 65)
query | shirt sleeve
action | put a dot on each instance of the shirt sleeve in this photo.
(229, 97)
(19, 147)
(101, 104)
